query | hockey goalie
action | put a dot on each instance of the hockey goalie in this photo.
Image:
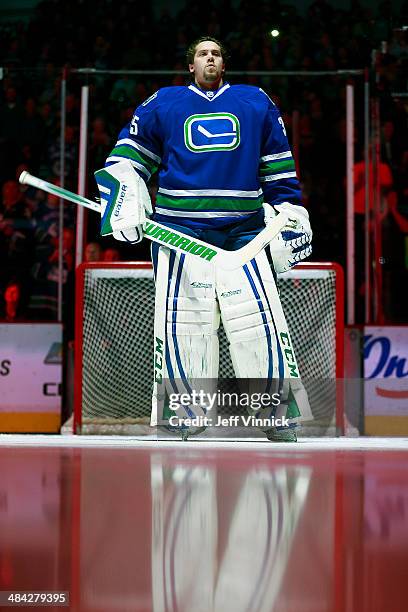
(225, 169)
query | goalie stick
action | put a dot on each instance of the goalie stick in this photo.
(178, 241)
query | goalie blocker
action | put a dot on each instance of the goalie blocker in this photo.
(125, 202)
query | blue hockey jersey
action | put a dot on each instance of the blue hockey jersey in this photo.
(219, 154)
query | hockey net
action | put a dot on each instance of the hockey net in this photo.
(114, 345)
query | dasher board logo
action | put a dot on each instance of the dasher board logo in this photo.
(54, 354)
(212, 132)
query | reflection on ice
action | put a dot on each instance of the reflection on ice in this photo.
(211, 556)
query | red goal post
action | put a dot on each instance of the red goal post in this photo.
(114, 344)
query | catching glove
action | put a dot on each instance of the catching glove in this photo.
(294, 242)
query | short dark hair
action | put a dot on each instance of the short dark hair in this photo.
(192, 48)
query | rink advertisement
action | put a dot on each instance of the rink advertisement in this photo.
(30, 377)
(386, 380)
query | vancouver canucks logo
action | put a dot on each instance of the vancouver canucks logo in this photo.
(212, 132)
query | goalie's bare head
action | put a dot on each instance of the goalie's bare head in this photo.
(206, 62)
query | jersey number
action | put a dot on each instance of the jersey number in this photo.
(133, 129)
(282, 124)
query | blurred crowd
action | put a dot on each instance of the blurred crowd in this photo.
(130, 35)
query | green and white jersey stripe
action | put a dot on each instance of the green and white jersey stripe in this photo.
(138, 147)
(141, 158)
(217, 193)
(202, 214)
(209, 200)
(277, 177)
(276, 156)
(277, 166)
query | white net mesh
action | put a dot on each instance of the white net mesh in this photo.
(117, 347)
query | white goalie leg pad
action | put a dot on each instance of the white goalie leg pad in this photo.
(247, 321)
(188, 314)
(256, 328)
